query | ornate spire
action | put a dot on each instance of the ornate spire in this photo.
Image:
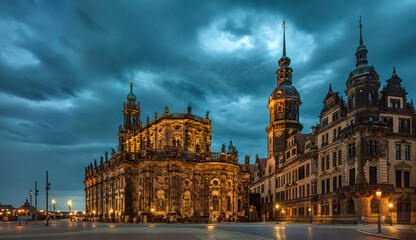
(284, 39)
(330, 88)
(361, 53)
(131, 98)
(284, 61)
(361, 32)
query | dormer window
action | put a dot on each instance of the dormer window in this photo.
(395, 103)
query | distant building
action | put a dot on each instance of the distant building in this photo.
(362, 145)
(6, 212)
(165, 170)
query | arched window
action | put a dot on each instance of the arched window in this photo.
(215, 203)
(370, 98)
(228, 203)
(350, 206)
(352, 102)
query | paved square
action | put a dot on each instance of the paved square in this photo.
(90, 231)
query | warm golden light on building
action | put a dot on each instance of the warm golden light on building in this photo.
(172, 167)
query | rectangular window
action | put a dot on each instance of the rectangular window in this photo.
(373, 175)
(307, 189)
(307, 170)
(335, 116)
(315, 209)
(327, 185)
(406, 152)
(339, 181)
(325, 122)
(339, 157)
(334, 184)
(327, 162)
(398, 151)
(398, 179)
(335, 133)
(404, 126)
(334, 159)
(352, 176)
(262, 188)
(323, 186)
(322, 164)
(406, 179)
(314, 188)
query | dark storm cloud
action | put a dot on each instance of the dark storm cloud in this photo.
(65, 68)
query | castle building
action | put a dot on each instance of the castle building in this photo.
(360, 146)
(165, 171)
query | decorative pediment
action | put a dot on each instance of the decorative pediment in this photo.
(402, 165)
(324, 174)
(402, 141)
(336, 170)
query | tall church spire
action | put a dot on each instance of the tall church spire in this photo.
(361, 32)
(361, 53)
(284, 39)
(284, 61)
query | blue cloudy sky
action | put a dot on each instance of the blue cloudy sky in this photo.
(65, 68)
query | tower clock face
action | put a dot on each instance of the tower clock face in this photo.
(278, 133)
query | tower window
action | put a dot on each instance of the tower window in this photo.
(370, 98)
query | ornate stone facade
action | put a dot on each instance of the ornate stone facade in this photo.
(165, 171)
(360, 146)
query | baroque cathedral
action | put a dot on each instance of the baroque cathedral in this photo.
(165, 171)
(362, 145)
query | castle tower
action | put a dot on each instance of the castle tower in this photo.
(283, 105)
(362, 86)
(131, 111)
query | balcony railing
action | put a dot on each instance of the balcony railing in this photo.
(165, 154)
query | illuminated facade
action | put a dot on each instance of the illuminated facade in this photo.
(360, 146)
(165, 171)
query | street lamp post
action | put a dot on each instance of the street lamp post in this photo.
(69, 206)
(310, 214)
(277, 215)
(378, 194)
(53, 203)
(391, 217)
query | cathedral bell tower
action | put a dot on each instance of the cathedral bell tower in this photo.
(283, 105)
(131, 112)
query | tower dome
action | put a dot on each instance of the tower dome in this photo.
(131, 97)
